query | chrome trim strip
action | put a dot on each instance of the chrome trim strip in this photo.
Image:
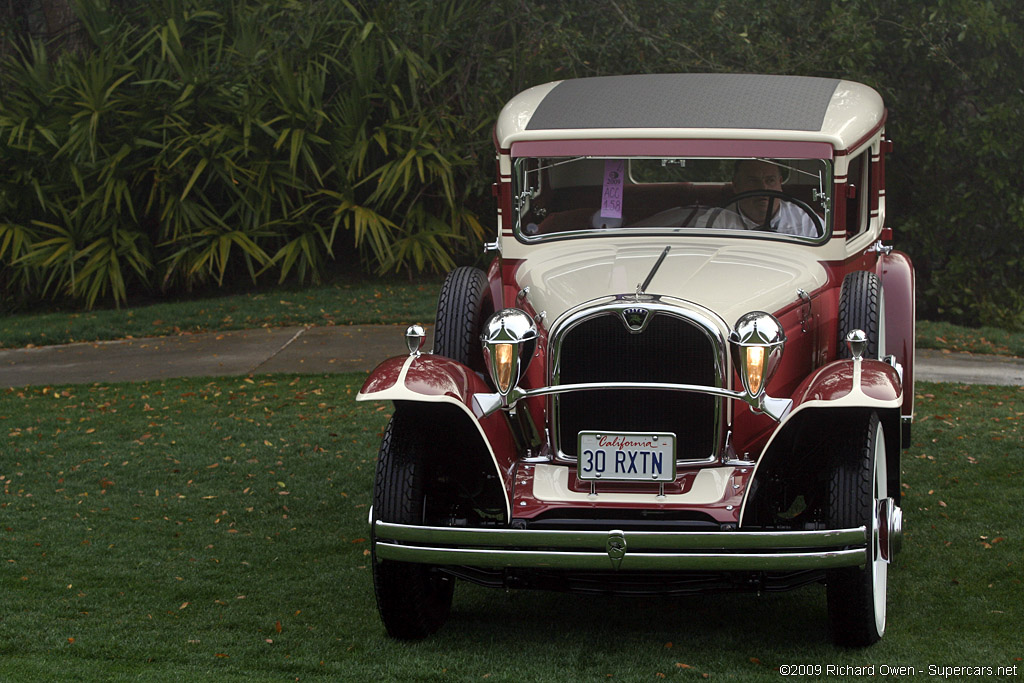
(541, 559)
(649, 540)
(776, 408)
(589, 550)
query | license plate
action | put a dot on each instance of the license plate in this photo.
(626, 456)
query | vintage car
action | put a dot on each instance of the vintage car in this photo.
(688, 368)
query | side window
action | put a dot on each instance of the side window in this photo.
(857, 193)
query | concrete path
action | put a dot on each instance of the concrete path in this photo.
(357, 348)
(968, 368)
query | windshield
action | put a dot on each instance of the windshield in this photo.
(563, 196)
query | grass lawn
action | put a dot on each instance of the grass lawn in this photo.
(950, 337)
(216, 529)
(372, 302)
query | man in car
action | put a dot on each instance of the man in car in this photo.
(758, 175)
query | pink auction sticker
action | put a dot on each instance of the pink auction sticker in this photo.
(611, 197)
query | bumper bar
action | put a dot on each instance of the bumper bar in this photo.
(622, 550)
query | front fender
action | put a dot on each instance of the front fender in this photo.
(861, 383)
(434, 379)
(834, 390)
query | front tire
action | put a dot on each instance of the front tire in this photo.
(857, 595)
(413, 599)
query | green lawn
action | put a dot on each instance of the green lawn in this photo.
(216, 529)
(372, 302)
(950, 337)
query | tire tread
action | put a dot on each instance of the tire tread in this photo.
(850, 499)
(413, 599)
(460, 308)
(860, 302)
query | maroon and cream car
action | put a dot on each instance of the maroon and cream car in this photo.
(689, 367)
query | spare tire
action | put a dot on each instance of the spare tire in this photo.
(861, 307)
(461, 308)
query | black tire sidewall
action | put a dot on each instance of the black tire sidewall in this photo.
(461, 306)
(850, 503)
(861, 308)
(413, 599)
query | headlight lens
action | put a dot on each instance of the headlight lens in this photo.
(755, 367)
(757, 344)
(504, 359)
(509, 338)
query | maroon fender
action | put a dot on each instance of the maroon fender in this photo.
(838, 386)
(897, 275)
(435, 379)
(850, 383)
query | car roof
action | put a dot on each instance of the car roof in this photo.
(696, 106)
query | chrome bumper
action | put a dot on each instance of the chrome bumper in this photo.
(622, 550)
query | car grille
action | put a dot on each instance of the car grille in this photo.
(670, 350)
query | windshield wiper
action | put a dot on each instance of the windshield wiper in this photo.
(640, 289)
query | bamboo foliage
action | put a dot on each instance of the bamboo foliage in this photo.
(199, 142)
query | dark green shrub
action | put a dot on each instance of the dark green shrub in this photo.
(198, 142)
(204, 141)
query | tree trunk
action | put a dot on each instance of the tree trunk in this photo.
(60, 27)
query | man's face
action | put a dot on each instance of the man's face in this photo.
(757, 175)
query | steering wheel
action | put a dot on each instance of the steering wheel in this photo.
(772, 195)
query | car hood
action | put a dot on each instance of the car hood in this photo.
(729, 280)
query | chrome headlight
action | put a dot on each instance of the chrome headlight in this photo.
(509, 338)
(757, 343)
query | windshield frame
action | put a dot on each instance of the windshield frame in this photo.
(527, 185)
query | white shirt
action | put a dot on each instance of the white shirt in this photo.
(789, 220)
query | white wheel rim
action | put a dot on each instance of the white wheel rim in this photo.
(879, 565)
